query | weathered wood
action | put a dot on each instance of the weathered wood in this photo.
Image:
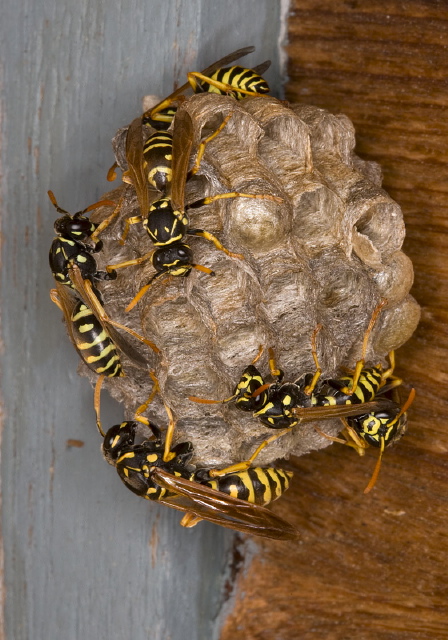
(372, 567)
(84, 558)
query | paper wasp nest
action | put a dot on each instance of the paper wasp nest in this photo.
(327, 254)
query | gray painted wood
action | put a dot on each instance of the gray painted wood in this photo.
(83, 557)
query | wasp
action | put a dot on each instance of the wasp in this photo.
(358, 399)
(235, 81)
(92, 332)
(152, 468)
(74, 244)
(166, 221)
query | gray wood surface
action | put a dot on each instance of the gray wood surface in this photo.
(83, 557)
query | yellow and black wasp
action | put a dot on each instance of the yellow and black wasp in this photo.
(74, 244)
(166, 221)
(358, 399)
(235, 81)
(153, 469)
(92, 332)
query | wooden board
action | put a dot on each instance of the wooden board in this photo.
(373, 567)
(83, 557)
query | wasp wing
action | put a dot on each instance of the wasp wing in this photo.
(134, 157)
(91, 301)
(183, 133)
(66, 301)
(261, 68)
(222, 62)
(219, 508)
(308, 414)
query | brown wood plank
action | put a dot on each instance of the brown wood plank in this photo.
(373, 567)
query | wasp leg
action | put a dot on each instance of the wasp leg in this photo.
(275, 371)
(310, 388)
(167, 455)
(211, 238)
(127, 224)
(154, 114)
(245, 464)
(225, 88)
(232, 194)
(106, 222)
(142, 408)
(361, 362)
(190, 520)
(129, 263)
(96, 403)
(204, 143)
(136, 299)
(351, 438)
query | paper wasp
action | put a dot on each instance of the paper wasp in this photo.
(75, 243)
(235, 81)
(92, 332)
(358, 399)
(165, 220)
(153, 469)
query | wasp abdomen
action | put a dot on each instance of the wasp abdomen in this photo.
(257, 485)
(94, 343)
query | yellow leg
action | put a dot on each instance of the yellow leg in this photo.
(361, 362)
(190, 520)
(376, 471)
(212, 238)
(127, 224)
(106, 222)
(153, 113)
(275, 371)
(243, 466)
(310, 388)
(96, 403)
(351, 438)
(54, 296)
(234, 194)
(142, 408)
(130, 263)
(204, 143)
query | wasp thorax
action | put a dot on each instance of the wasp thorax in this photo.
(78, 228)
(310, 238)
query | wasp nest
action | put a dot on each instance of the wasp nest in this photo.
(328, 253)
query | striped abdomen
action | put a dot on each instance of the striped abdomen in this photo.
(94, 343)
(158, 155)
(239, 78)
(257, 485)
(368, 386)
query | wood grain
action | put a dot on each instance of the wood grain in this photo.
(373, 567)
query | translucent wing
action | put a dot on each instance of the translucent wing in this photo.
(261, 68)
(92, 302)
(231, 57)
(219, 508)
(308, 414)
(134, 157)
(182, 142)
(66, 301)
